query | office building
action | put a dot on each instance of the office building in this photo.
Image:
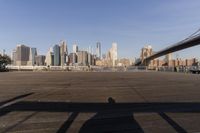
(75, 48)
(14, 57)
(124, 62)
(89, 59)
(72, 58)
(49, 60)
(82, 58)
(98, 50)
(90, 55)
(40, 60)
(32, 54)
(63, 53)
(112, 55)
(22, 55)
(56, 51)
(93, 60)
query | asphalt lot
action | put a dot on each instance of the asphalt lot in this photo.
(75, 102)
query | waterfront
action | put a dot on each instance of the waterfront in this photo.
(89, 101)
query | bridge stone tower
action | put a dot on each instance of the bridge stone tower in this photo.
(146, 52)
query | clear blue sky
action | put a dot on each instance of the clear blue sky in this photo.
(131, 23)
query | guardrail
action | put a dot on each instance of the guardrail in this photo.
(183, 69)
(34, 68)
(78, 68)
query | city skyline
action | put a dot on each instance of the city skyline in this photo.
(88, 22)
(58, 55)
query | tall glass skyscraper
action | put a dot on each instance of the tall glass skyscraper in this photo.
(56, 51)
(98, 50)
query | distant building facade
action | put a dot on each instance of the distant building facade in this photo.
(32, 55)
(113, 54)
(174, 62)
(14, 57)
(75, 48)
(124, 62)
(63, 53)
(98, 50)
(40, 60)
(49, 60)
(82, 58)
(72, 58)
(56, 51)
(22, 55)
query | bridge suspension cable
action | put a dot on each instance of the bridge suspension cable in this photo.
(195, 34)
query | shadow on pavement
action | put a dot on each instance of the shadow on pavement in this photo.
(15, 98)
(110, 117)
(106, 121)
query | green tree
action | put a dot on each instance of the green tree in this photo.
(4, 60)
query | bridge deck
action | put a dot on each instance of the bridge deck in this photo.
(49, 102)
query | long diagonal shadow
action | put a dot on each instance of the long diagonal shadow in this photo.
(6, 109)
(114, 110)
(15, 98)
(65, 126)
(177, 127)
(20, 122)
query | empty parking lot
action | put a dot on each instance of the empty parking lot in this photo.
(59, 102)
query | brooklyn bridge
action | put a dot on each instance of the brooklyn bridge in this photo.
(191, 41)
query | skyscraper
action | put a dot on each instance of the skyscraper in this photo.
(63, 53)
(82, 58)
(75, 48)
(98, 50)
(49, 60)
(113, 53)
(32, 54)
(111, 56)
(89, 56)
(14, 57)
(40, 60)
(56, 51)
(22, 55)
(72, 58)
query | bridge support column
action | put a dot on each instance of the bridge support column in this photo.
(145, 63)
